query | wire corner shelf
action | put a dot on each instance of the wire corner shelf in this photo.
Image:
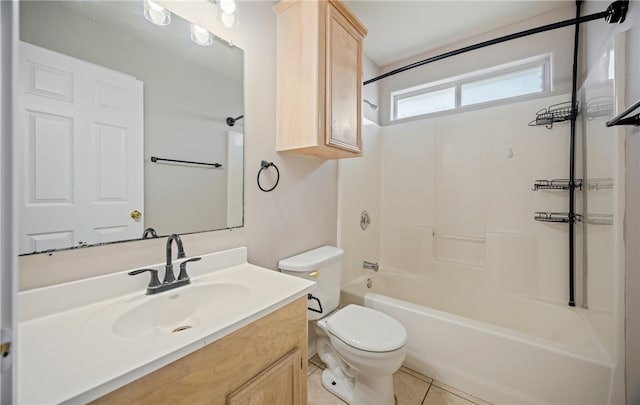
(557, 217)
(555, 113)
(557, 184)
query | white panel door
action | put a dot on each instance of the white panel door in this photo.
(81, 146)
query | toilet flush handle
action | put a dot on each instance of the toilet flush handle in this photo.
(311, 297)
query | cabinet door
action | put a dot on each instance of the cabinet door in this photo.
(343, 85)
(277, 384)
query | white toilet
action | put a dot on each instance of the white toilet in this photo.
(361, 347)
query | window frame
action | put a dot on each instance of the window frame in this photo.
(457, 82)
(432, 89)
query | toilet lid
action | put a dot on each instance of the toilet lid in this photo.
(367, 329)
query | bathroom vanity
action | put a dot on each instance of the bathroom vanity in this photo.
(259, 363)
(237, 334)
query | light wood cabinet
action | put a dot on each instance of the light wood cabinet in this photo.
(278, 384)
(319, 79)
(261, 363)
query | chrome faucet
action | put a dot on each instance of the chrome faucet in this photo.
(169, 282)
(370, 266)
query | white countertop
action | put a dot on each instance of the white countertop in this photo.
(68, 353)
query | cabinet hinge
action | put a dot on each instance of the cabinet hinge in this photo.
(5, 348)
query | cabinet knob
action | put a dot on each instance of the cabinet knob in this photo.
(135, 214)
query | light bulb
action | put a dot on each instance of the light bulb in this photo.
(227, 6)
(155, 7)
(228, 20)
(156, 14)
(200, 35)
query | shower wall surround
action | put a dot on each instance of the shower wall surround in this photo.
(620, 327)
(359, 190)
(457, 190)
(456, 206)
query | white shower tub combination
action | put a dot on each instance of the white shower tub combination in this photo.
(500, 347)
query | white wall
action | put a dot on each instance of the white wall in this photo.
(358, 191)
(300, 214)
(359, 187)
(235, 180)
(370, 92)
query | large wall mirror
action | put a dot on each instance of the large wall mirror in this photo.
(123, 125)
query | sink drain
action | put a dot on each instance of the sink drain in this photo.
(181, 328)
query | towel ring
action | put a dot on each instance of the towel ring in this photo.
(265, 165)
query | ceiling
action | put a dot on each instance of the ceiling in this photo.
(399, 29)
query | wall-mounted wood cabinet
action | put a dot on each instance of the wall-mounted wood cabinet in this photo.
(319, 79)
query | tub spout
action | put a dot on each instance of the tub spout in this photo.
(370, 265)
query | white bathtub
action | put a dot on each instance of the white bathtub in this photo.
(503, 348)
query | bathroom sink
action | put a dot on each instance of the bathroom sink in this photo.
(180, 309)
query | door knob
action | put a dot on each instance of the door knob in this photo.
(135, 214)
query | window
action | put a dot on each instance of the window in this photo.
(519, 79)
(424, 103)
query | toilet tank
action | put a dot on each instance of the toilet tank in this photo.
(324, 266)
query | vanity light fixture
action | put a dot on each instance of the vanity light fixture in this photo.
(227, 12)
(156, 14)
(201, 36)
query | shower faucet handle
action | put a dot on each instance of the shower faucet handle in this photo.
(370, 265)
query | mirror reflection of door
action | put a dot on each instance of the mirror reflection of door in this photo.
(81, 152)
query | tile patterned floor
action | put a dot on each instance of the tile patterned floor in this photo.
(411, 388)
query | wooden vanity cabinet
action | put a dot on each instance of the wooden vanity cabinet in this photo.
(261, 363)
(319, 79)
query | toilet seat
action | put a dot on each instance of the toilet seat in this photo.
(367, 329)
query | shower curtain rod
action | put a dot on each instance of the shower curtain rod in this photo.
(621, 120)
(615, 13)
